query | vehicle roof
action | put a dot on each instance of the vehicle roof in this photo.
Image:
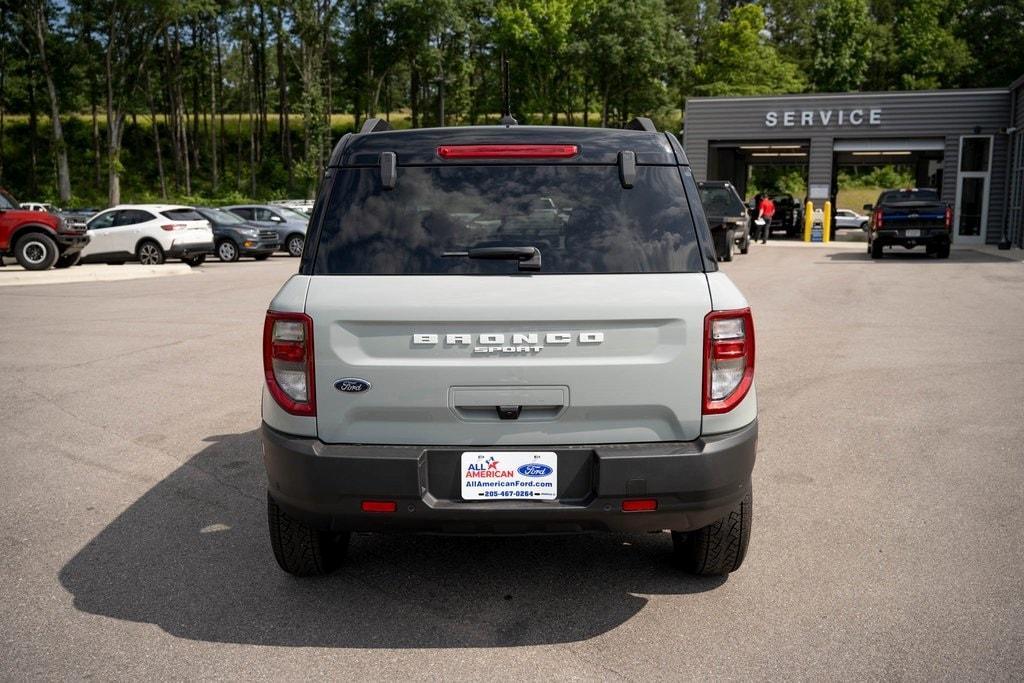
(149, 207)
(419, 146)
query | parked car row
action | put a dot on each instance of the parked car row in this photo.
(40, 238)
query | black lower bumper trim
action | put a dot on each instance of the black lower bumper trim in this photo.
(694, 484)
(190, 249)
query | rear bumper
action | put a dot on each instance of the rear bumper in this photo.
(189, 249)
(694, 483)
(928, 237)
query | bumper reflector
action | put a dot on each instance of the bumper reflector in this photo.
(640, 505)
(379, 506)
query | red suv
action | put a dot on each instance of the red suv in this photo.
(38, 239)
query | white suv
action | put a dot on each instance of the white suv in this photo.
(148, 233)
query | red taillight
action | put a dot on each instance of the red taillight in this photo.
(949, 218)
(877, 223)
(172, 226)
(640, 505)
(728, 359)
(288, 361)
(507, 151)
(379, 506)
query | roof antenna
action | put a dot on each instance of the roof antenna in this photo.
(506, 109)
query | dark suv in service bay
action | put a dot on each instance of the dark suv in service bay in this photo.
(727, 216)
(503, 330)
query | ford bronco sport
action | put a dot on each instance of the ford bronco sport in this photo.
(446, 361)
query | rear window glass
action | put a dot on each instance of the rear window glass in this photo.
(580, 218)
(909, 196)
(182, 215)
(721, 201)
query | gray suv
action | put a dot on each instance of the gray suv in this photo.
(442, 364)
(290, 225)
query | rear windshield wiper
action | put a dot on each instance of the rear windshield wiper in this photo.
(528, 257)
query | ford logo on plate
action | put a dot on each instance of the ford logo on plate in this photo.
(351, 385)
(534, 470)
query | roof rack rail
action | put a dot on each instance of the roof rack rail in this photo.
(641, 123)
(375, 126)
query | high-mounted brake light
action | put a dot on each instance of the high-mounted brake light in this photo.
(288, 361)
(728, 359)
(507, 151)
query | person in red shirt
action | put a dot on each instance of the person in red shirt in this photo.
(765, 211)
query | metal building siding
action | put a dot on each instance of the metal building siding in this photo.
(904, 114)
(950, 164)
(997, 189)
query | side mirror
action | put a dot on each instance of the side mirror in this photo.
(868, 207)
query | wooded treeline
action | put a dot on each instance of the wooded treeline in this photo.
(82, 82)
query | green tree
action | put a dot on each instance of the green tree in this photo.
(841, 45)
(995, 33)
(738, 60)
(927, 54)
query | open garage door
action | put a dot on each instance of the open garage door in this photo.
(862, 168)
(750, 165)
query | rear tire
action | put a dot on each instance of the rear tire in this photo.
(746, 243)
(876, 250)
(300, 549)
(36, 251)
(943, 251)
(68, 260)
(730, 244)
(149, 253)
(718, 548)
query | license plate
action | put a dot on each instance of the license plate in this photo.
(913, 233)
(497, 475)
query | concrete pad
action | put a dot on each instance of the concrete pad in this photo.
(17, 276)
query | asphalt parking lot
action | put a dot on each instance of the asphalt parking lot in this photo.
(888, 536)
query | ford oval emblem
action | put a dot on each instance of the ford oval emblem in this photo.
(534, 470)
(351, 385)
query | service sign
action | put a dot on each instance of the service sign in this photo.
(509, 475)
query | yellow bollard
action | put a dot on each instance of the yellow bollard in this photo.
(826, 221)
(808, 220)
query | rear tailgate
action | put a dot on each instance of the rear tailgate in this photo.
(913, 215)
(586, 358)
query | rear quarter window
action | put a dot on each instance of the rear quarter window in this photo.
(182, 215)
(579, 217)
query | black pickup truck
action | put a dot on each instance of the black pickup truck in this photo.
(910, 218)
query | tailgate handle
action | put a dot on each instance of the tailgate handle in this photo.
(477, 404)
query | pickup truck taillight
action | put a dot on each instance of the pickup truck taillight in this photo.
(876, 224)
(949, 218)
(728, 359)
(288, 361)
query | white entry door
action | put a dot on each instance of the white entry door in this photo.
(970, 216)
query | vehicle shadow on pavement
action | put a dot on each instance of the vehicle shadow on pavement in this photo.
(904, 256)
(192, 557)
